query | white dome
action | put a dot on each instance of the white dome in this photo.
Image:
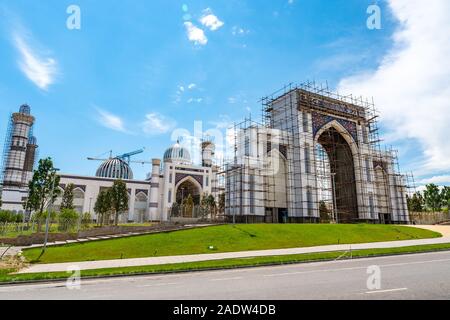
(177, 154)
(115, 169)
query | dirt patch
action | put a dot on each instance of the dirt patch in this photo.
(13, 262)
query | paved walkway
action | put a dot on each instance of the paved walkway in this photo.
(442, 229)
(89, 265)
(9, 251)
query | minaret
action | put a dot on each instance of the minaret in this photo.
(16, 164)
(208, 149)
(154, 190)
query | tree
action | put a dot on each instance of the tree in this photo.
(209, 204)
(40, 190)
(432, 197)
(40, 187)
(416, 202)
(324, 212)
(445, 196)
(221, 204)
(119, 199)
(103, 207)
(67, 199)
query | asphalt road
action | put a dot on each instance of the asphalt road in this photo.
(419, 276)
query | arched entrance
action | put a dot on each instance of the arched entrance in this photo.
(342, 179)
(277, 196)
(188, 188)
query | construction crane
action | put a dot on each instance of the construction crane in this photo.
(125, 157)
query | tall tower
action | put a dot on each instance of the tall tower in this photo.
(208, 150)
(18, 158)
(155, 210)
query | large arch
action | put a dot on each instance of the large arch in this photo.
(188, 186)
(341, 150)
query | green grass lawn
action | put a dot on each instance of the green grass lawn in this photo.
(226, 238)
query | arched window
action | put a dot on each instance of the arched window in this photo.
(78, 194)
(141, 197)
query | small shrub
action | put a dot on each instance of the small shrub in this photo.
(18, 218)
(86, 220)
(68, 220)
(6, 216)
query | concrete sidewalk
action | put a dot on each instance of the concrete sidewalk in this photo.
(90, 265)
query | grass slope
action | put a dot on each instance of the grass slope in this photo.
(226, 238)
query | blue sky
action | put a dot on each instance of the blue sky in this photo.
(133, 72)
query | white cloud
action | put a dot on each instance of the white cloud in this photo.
(444, 179)
(411, 85)
(195, 34)
(195, 100)
(192, 86)
(210, 20)
(110, 120)
(38, 69)
(224, 122)
(156, 123)
(232, 100)
(239, 31)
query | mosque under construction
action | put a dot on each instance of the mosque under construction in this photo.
(314, 157)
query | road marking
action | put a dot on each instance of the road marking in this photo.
(227, 279)
(158, 284)
(355, 268)
(312, 271)
(414, 262)
(385, 291)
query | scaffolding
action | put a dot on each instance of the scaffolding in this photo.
(19, 155)
(315, 156)
(6, 148)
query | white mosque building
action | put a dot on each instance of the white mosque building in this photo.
(170, 181)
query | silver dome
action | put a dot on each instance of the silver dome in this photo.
(115, 168)
(177, 154)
